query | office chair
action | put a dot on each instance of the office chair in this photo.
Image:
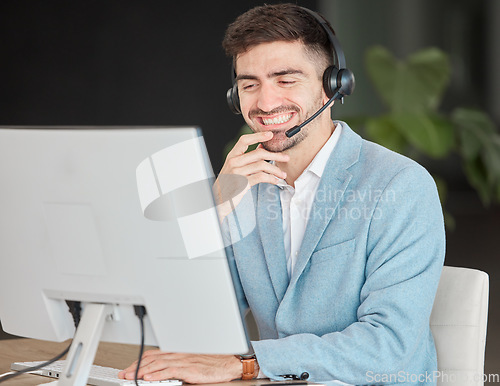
(458, 323)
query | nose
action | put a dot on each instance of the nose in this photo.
(269, 97)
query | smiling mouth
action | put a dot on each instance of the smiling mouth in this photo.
(277, 120)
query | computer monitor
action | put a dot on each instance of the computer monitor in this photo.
(120, 216)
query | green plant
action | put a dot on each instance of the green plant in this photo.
(412, 90)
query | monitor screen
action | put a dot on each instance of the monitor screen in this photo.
(116, 215)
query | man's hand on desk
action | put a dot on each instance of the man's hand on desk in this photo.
(192, 368)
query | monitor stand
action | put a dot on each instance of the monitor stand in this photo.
(84, 347)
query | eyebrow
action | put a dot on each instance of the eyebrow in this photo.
(271, 74)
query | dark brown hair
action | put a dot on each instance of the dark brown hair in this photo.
(278, 22)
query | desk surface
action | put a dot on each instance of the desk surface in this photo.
(109, 354)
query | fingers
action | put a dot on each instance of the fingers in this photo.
(247, 140)
(253, 164)
(259, 154)
(261, 167)
(262, 177)
(147, 357)
(188, 367)
(153, 361)
(154, 370)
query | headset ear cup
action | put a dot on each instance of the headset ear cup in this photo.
(345, 82)
(338, 82)
(330, 81)
(233, 99)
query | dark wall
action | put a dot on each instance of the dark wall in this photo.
(110, 62)
(119, 62)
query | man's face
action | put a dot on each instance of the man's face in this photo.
(279, 87)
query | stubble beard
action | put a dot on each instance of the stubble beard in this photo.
(280, 142)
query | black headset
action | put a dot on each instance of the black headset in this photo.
(338, 81)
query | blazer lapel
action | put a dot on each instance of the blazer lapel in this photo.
(270, 223)
(331, 189)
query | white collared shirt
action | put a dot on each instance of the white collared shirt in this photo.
(296, 203)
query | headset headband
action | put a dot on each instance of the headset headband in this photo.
(338, 53)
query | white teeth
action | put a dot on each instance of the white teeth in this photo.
(277, 120)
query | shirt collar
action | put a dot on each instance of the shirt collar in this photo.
(318, 164)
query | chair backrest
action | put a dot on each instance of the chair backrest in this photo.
(458, 324)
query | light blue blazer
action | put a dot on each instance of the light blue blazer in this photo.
(357, 306)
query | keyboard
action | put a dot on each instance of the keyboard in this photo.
(99, 375)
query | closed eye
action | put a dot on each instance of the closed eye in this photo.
(249, 86)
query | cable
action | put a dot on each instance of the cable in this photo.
(8, 376)
(140, 311)
(5, 374)
(75, 308)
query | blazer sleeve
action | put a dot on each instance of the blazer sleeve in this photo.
(405, 250)
(240, 295)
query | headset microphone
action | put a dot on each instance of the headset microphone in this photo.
(346, 88)
(294, 130)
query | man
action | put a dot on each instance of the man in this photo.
(341, 269)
